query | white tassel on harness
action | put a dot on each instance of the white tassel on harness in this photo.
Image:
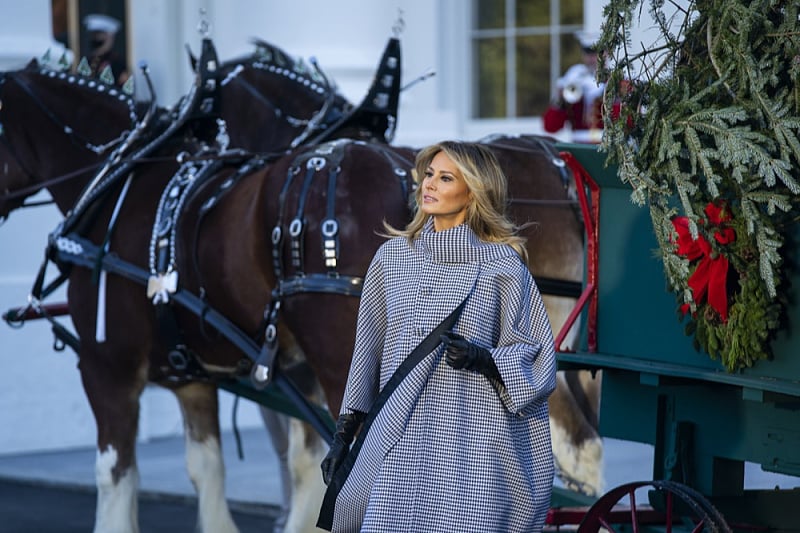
(100, 329)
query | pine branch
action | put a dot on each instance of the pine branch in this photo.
(710, 119)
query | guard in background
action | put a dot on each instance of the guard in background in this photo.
(579, 100)
(102, 31)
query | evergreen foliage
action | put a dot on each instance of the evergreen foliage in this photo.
(710, 116)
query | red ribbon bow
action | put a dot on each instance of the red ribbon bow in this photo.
(711, 274)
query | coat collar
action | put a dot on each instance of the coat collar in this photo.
(459, 245)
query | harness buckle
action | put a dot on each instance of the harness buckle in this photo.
(270, 333)
(177, 359)
(317, 163)
(276, 235)
(296, 227)
(330, 228)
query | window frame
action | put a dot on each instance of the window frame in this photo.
(510, 33)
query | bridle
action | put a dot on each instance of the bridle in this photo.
(311, 79)
(74, 136)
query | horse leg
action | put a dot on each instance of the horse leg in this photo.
(307, 450)
(577, 445)
(114, 399)
(277, 425)
(200, 408)
(584, 385)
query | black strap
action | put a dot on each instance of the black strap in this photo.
(429, 344)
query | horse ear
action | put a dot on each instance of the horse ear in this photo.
(192, 59)
(378, 111)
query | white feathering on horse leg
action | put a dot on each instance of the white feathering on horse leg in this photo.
(117, 504)
(277, 425)
(306, 452)
(579, 467)
(207, 472)
(579, 460)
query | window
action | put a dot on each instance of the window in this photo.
(519, 49)
(95, 29)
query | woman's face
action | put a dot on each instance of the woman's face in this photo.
(445, 194)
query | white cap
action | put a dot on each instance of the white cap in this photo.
(102, 23)
(588, 39)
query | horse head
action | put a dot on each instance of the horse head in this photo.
(55, 126)
(273, 102)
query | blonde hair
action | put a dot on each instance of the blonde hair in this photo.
(486, 212)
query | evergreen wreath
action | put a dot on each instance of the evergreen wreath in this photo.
(707, 138)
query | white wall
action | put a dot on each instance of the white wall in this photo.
(346, 37)
(25, 32)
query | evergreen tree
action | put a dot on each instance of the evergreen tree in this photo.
(708, 140)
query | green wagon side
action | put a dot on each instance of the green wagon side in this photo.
(703, 422)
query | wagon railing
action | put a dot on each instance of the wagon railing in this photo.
(589, 201)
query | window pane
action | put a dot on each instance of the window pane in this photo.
(532, 58)
(570, 51)
(490, 14)
(533, 75)
(571, 12)
(533, 13)
(490, 67)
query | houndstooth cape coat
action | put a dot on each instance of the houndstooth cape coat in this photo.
(448, 452)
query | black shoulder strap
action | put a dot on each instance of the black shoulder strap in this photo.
(425, 347)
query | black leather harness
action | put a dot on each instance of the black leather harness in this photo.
(289, 232)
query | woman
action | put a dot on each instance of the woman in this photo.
(462, 443)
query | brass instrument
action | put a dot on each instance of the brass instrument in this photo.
(575, 85)
(572, 93)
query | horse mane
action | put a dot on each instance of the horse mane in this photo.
(270, 58)
(95, 84)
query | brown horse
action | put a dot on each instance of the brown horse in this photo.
(322, 208)
(56, 128)
(59, 107)
(44, 111)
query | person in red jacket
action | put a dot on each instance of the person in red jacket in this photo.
(579, 100)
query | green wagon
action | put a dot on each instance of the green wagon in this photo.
(703, 422)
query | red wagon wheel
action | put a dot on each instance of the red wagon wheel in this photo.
(681, 508)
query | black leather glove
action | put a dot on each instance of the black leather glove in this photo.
(346, 427)
(462, 354)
